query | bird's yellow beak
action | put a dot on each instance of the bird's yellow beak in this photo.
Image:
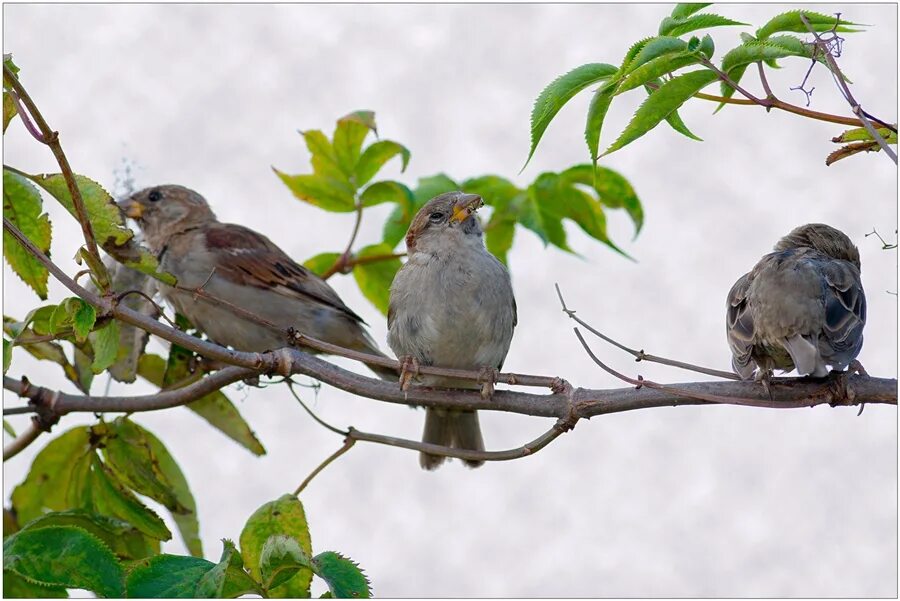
(465, 206)
(133, 209)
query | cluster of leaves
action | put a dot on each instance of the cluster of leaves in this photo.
(99, 536)
(659, 65)
(342, 182)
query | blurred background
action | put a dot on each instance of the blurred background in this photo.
(691, 501)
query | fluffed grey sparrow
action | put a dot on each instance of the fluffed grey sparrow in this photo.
(451, 305)
(234, 283)
(802, 306)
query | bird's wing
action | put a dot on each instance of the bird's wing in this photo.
(249, 258)
(739, 325)
(845, 306)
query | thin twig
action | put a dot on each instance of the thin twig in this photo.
(312, 414)
(51, 139)
(641, 355)
(149, 299)
(848, 96)
(765, 82)
(348, 444)
(341, 261)
(22, 440)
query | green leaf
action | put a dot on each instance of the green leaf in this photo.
(540, 213)
(790, 21)
(679, 26)
(324, 160)
(167, 576)
(323, 192)
(653, 49)
(49, 479)
(281, 558)
(496, 191)
(566, 201)
(613, 190)
(7, 360)
(22, 206)
(861, 134)
(344, 578)
(674, 119)
(17, 587)
(282, 516)
(221, 413)
(76, 314)
(398, 222)
(7, 427)
(499, 234)
(227, 579)
(321, 263)
(65, 556)
(596, 115)
(129, 454)
(559, 92)
(659, 105)
(187, 522)
(110, 497)
(9, 109)
(105, 342)
(687, 9)
(386, 191)
(658, 66)
(375, 156)
(44, 351)
(122, 538)
(726, 90)
(348, 137)
(752, 52)
(374, 279)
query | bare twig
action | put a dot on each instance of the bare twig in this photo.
(23, 440)
(765, 83)
(51, 139)
(341, 263)
(845, 91)
(884, 245)
(348, 444)
(641, 355)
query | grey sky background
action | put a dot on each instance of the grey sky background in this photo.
(706, 501)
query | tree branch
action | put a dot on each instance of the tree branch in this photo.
(23, 440)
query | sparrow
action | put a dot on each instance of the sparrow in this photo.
(801, 307)
(235, 284)
(451, 305)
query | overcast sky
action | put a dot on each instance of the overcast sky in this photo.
(702, 501)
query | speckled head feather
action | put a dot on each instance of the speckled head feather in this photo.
(164, 210)
(823, 238)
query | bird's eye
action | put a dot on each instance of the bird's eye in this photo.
(154, 196)
(436, 216)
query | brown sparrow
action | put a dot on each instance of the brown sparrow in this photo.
(802, 306)
(451, 305)
(234, 283)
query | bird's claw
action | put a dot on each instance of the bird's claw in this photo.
(409, 370)
(488, 378)
(763, 376)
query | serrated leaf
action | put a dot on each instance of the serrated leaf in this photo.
(630, 55)
(596, 115)
(110, 497)
(75, 314)
(726, 90)
(9, 109)
(227, 579)
(321, 262)
(386, 191)
(166, 576)
(658, 106)
(499, 234)
(44, 351)
(375, 156)
(122, 538)
(752, 52)
(281, 558)
(653, 49)
(849, 150)
(105, 217)
(538, 212)
(398, 222)
(187, 522)
(613, 190)
(323, 158)
(22, 206)
(348, 137)
(374, 279)
(65, 556)
(282, 516)
(861, 134)
(48, 480)
(345, 579)
(790, 21)
(324, 192)
(674, 119)
(496, 191)
(673, 26)
(559, 92)
(105, 342)
(17, 587)
(658, 66)
(130, 455)
(687, 9)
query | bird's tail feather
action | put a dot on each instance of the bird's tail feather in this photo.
(457, 429)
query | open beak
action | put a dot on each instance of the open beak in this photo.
(132, 208)
(465, 206)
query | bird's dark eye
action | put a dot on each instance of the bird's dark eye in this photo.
(154, 196)
(436, 216)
